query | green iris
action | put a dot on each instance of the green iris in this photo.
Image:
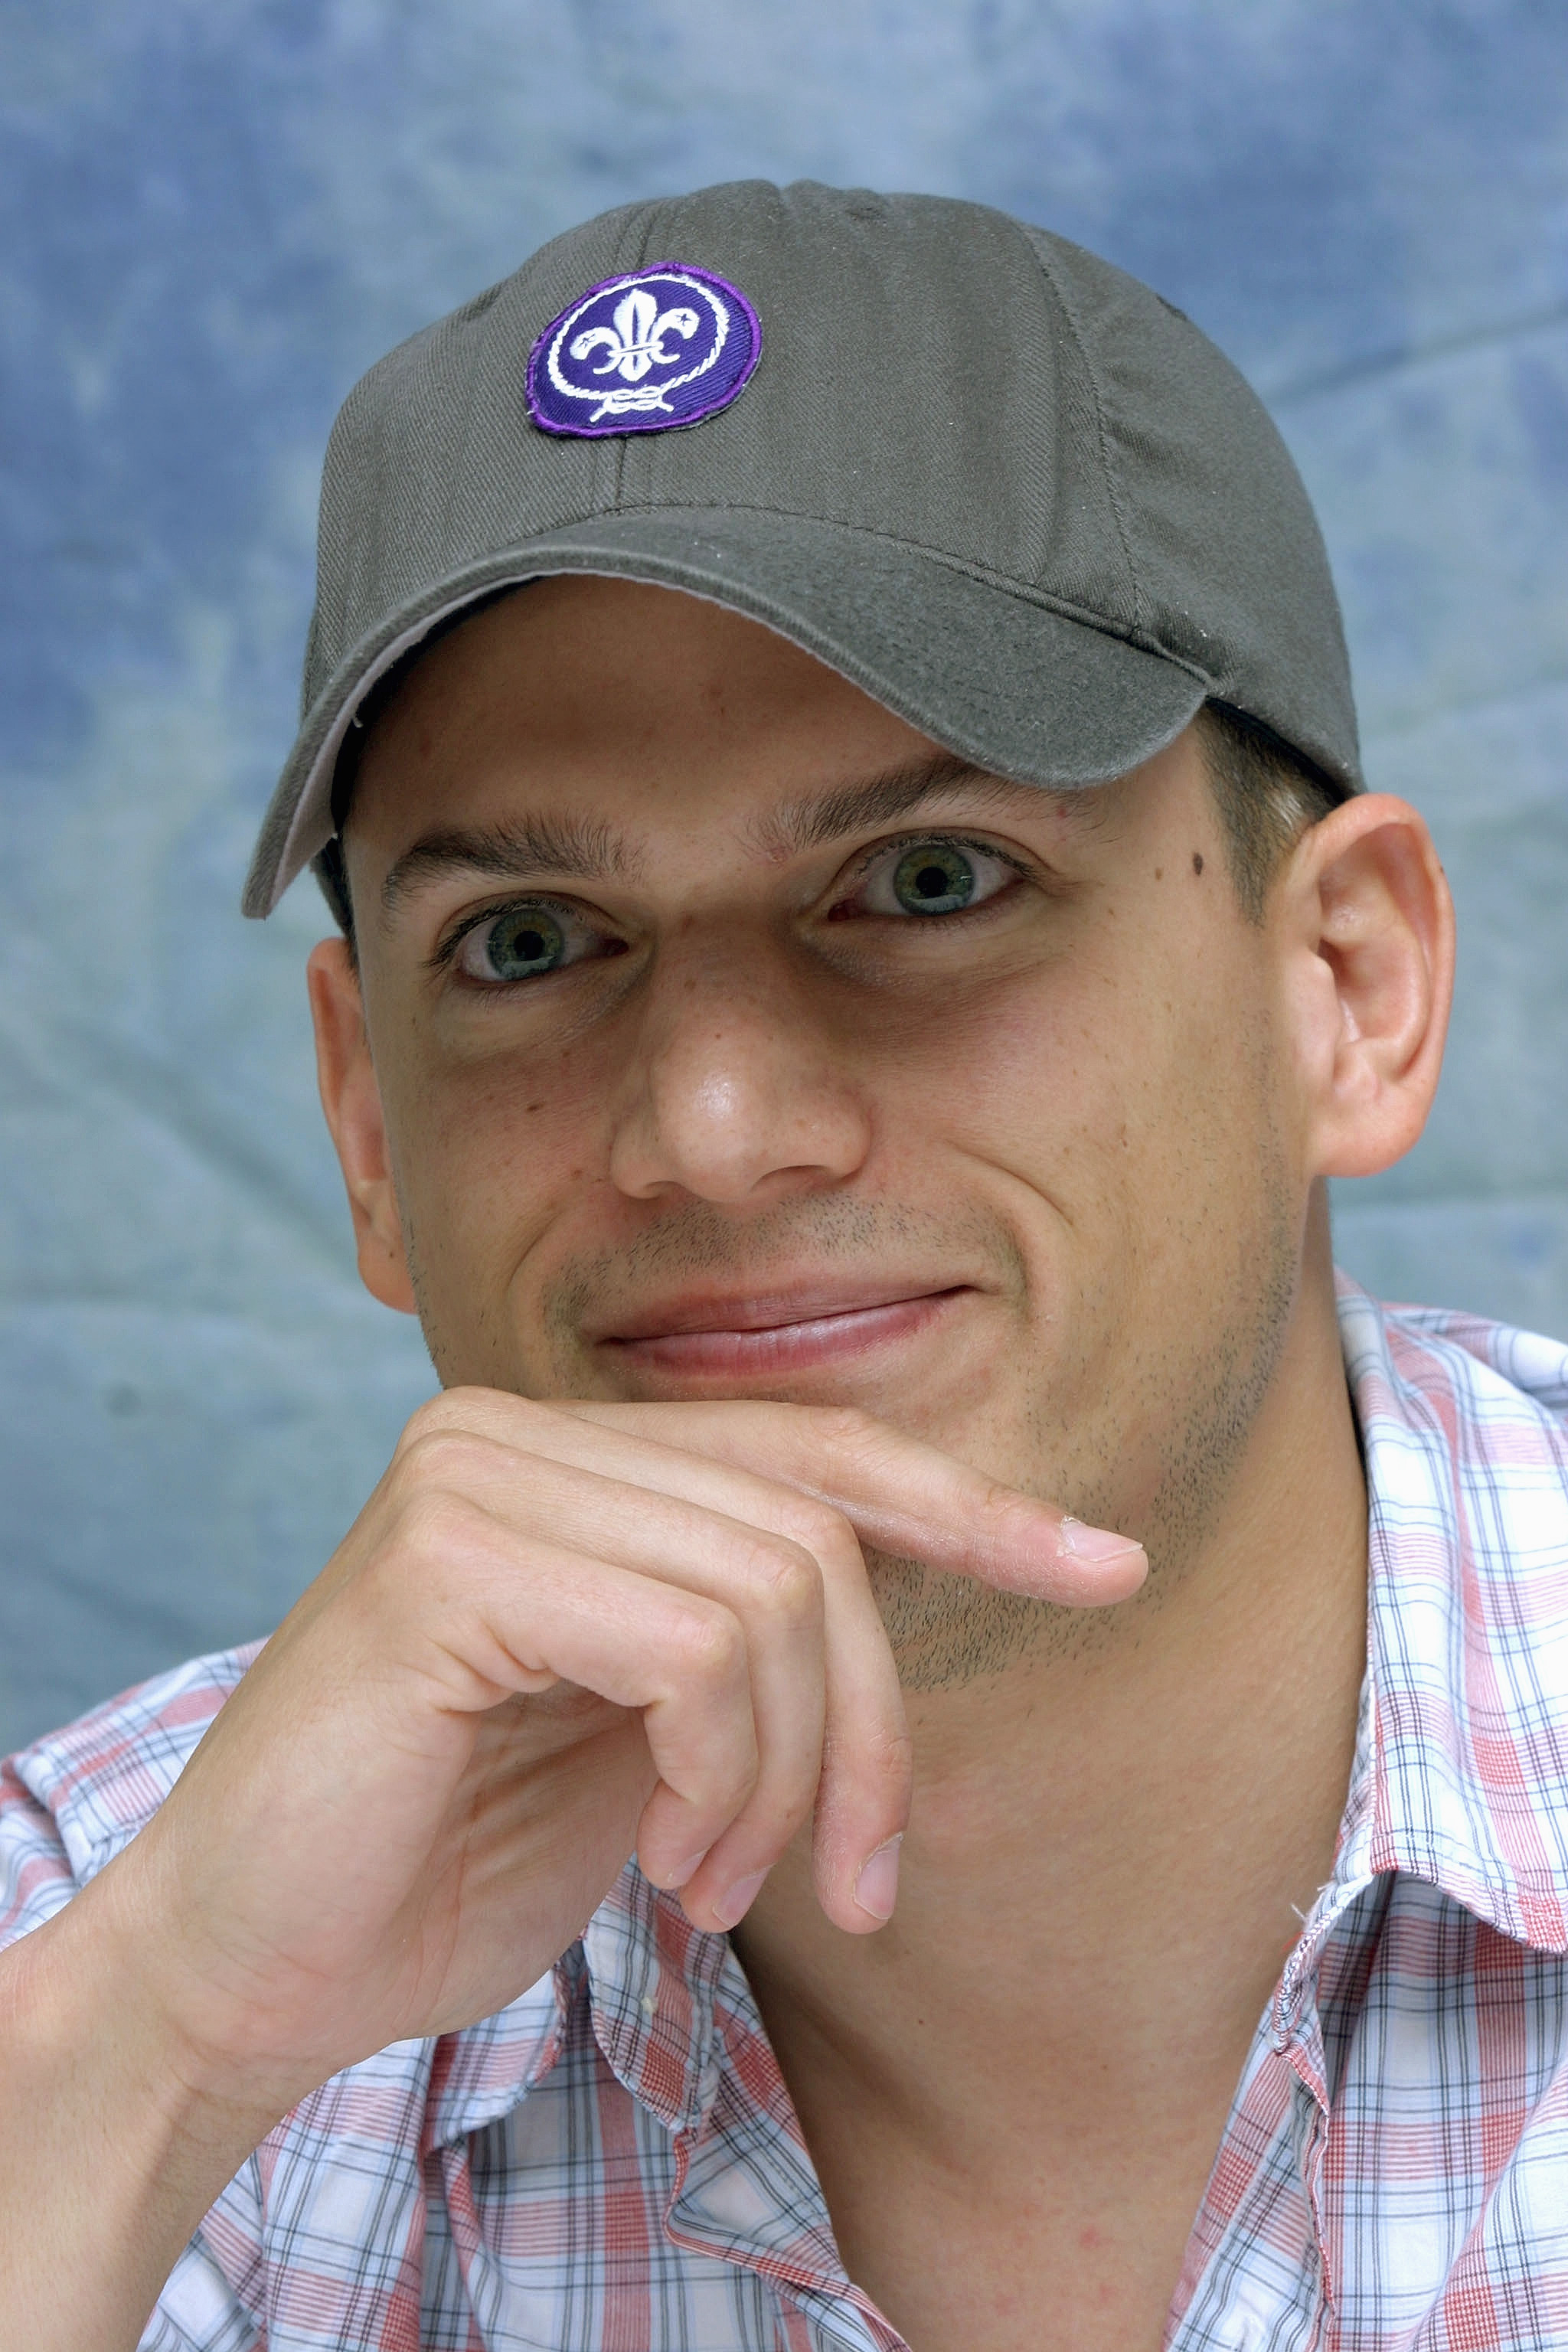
(524, 942)
(933, 879)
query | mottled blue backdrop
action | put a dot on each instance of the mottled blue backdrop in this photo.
(217, 211)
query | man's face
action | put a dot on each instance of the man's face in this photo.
(733, 1040)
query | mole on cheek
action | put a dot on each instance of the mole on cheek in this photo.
(1197, 861)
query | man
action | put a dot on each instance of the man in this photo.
(827, 735)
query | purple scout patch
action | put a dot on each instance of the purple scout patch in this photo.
(663, 346)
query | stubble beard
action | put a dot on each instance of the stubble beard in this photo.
(947, 1632)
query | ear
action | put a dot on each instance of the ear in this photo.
(1369, 932)
(351, 1100)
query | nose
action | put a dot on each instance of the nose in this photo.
(736, 1093)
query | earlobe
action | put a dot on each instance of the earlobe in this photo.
(1370, 923)
(351, 1101)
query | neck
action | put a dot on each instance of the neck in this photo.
(1114, 1828)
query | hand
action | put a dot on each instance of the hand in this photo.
(557, 1634)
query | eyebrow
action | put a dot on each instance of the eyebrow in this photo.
(562, 845)
(811, 821)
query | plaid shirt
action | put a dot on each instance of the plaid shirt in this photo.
(612, 2164)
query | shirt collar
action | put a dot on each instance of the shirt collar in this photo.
(1464, 1773)
(653, 1983)
(651, 1980)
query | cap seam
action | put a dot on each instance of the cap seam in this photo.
(1101, 431)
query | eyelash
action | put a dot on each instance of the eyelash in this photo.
(447, 951)
(904, 843)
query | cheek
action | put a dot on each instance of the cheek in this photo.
(487, 1151)
(1124, 1084)
(1034, 1074)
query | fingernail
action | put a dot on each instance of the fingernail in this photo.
(876, 1888)
(1085, 1542)
(684, 1872)
(736, 1901)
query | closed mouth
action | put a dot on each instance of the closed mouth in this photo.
(782, 1329)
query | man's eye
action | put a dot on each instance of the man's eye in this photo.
(931, 878)
(525, 942)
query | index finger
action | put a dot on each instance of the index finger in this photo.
(900, 1493)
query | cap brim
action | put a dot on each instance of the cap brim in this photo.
(1025, 688)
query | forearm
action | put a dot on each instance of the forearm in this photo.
(554, 1636)
(110, 2151)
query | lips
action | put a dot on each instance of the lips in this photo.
(765, 1310)
(734, 1335)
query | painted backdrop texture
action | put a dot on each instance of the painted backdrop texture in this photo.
(217, 211)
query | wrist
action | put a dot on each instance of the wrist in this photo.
(110, 2151)
(112, 1981)
(88, 2033)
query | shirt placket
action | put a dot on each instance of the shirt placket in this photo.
(1299, 2040)
(675, 2016)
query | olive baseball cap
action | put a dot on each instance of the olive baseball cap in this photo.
(1001, 486)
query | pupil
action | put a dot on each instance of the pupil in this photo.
(521, 945)
(937, 879)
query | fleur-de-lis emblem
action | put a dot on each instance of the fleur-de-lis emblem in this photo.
(668, 345)
(635, 342)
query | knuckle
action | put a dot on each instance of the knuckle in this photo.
(880, 1754)
(712, 1645)
(436, 1458)
(772, 1818)
(433, 1523)
(785, 1582)
(446, 1410)
(994, 1499)
(892, 1755)
(852, 1436)
(822, 1529)
(472, 1411)
(734, 1784)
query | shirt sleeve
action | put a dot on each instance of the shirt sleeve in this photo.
(198, 2310)
(36, 1876)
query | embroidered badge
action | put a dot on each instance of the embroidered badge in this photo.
(638, 354)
